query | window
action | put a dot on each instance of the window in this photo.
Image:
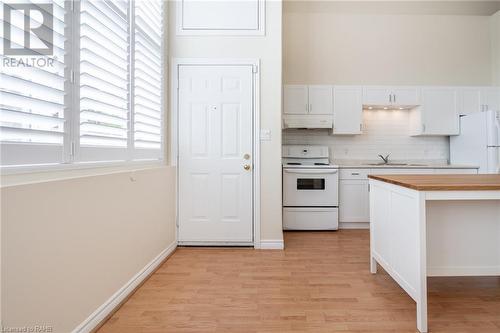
(101, 98)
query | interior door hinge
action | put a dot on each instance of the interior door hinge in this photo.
(255, 69)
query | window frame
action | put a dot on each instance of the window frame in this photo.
(71, 155)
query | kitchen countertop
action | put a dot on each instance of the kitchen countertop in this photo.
(345, 164)
(443, 182)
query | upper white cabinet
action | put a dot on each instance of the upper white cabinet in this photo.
(224, 17)
(320, 100)
(347, 110)
(434, 110)
(307, 106)
(295, 99)
(391, 96)
(437, 114)
(305, 100)
(377, 96)
(406, 96)
(479, 99)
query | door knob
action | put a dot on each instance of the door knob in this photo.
(246, 156)
(246, 167)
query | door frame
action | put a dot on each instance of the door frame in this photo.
(173, 126)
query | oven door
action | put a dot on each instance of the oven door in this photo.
(310, 187)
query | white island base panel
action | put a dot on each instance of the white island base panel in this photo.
(416, 234)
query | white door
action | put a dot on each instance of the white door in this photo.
(215, 154)
(347, 110)
(295, 99)
(320, 100)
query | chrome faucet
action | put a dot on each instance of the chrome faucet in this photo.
(385, 159)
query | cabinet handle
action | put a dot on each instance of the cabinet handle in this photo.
(310, 107)
(361, 127)
(307, 108)
(390, 98)
(355, 174)
(394, 98)
(423, 128)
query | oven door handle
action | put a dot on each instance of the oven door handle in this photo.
(313, 172)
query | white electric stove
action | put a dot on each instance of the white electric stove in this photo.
(310, 188)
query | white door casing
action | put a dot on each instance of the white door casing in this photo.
(215, 132)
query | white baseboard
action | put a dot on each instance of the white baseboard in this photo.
(354, 225)
(272, 244)
(110, 305)
(464, 271)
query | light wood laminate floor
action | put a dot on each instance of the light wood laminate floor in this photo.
(320, 283)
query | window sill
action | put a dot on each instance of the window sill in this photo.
(24, 175)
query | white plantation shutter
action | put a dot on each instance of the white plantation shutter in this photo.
(32, 122)
(104, 77)
(148, 75)
(102, 100)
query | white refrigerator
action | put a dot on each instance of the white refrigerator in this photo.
(478, 142)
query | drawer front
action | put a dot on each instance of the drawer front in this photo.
(310, 218)
(354, 173)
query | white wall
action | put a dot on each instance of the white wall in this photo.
(495, 48)
(69, 245)
(385, 132)
(323, 44)
(268, 49)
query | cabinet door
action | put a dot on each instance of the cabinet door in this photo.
(295, 99)
(490, 98)
(377, 96)
(407, 96)
(354, 205)
(347, 110)
(320, 100)
(470, 100)
(439, 111)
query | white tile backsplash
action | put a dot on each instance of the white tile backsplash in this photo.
(385, 132)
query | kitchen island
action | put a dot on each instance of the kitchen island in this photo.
(434, 225)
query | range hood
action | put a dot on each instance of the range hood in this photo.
(307, 121)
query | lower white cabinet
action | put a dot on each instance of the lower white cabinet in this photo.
(354, 201)
(354, 191)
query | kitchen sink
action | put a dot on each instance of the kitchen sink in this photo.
(389, 164)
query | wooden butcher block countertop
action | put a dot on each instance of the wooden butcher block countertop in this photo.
(443, 182)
